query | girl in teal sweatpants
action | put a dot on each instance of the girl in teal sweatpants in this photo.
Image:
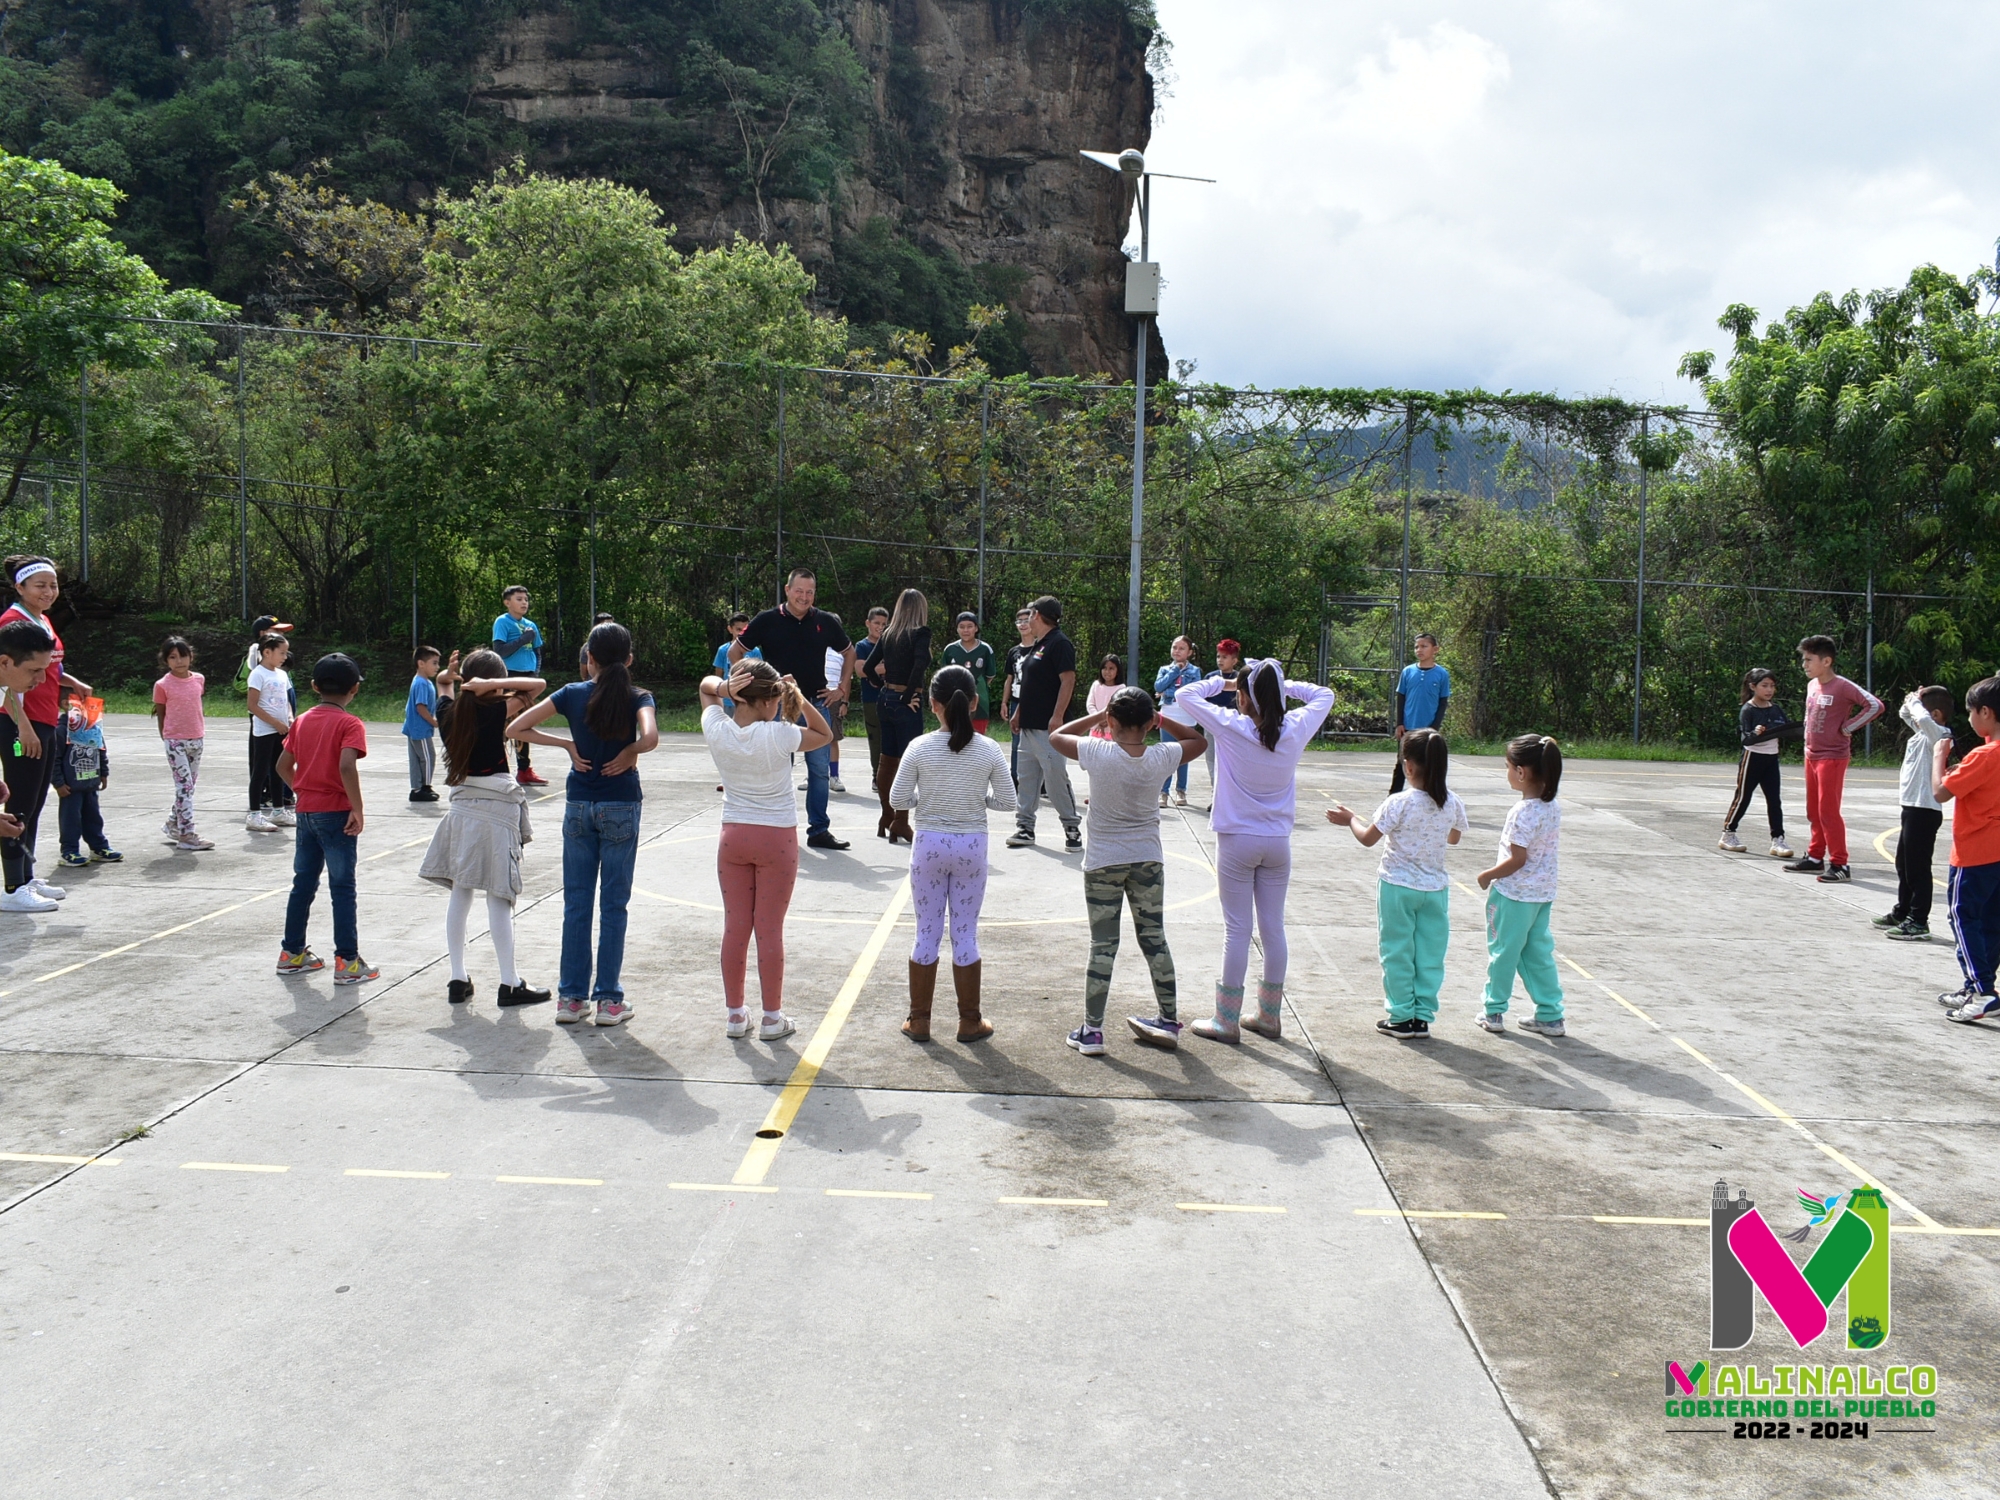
(1413, 904)
(1521, 888)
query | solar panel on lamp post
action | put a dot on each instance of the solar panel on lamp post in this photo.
(1142, 302)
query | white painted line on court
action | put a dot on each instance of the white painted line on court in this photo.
(719, 1187)
(1417, 1213)
(63, 1161)
(229, 1166)
(785, 1108)
(383, 1172)
(872, 1193)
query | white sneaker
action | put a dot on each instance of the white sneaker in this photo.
(26, 898)
(256, 822)
(1487, 1020)
(774, 1025)
(43, 888)
(835, 785)
(1729, 843)
(1541, 1028)
(739, 1024)
(1163, 799)
(192, 845)
(283, 817)
(1780, 849)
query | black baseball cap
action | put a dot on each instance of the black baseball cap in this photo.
(336, 672)
(264, 624)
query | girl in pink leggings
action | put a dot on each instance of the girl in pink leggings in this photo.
(1258, 749)
(951, 778)
(757, 862)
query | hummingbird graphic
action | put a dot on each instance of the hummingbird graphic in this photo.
(1820, 1210)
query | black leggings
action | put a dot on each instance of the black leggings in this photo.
(267, 787)
(28, 780)
(1757, 771)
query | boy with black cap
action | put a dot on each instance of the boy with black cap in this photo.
(321, 762)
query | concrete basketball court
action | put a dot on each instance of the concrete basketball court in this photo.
(262, 1236)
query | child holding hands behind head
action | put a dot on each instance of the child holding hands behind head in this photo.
(1413, 900)
(1522, 888)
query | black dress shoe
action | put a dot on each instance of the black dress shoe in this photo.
(824, 841)
(458, 991)
(520, 994)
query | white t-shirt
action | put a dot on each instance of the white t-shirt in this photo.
(836, 664)
(755, 763)
(1416, 833)
(1123, 824)
(1537, 827)
(273, 687)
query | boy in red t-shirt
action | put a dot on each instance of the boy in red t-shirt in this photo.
(1974, 785)
(1835, 709)
(321, 763)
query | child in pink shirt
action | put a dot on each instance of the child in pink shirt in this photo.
(177, 708)
(1835, 709)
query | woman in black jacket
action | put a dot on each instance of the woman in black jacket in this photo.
(899, 668)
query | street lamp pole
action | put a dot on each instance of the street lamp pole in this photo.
(1142, 303)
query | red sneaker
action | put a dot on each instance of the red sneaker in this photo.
(529, 776)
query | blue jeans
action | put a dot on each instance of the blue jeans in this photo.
(80, 821)
(600, 846)
(819, 770)
(323, 842)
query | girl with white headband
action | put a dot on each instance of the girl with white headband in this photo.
(29, 757)
(1257, 747)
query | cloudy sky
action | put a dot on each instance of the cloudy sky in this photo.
(1553, 196)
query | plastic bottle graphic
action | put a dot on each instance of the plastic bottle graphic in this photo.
(1868, 1287)
(1732, 1310)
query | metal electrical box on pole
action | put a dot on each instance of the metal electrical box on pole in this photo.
(1142, 288)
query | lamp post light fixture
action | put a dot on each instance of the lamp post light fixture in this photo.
(1142, 302)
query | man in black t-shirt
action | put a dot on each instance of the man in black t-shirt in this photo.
(794, 638)
(1047, 683)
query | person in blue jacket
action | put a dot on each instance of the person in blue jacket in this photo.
(1167, 683)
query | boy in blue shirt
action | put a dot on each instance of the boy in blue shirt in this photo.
(518, 642)
(420, 722)
(82, 769)
(1423, 692)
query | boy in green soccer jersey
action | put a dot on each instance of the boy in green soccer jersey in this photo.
(970, 652)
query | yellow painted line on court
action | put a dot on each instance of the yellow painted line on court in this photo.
(409, 844)
(1647, 1219)
(674, 900)
(1780, 1115)
(1467, 889)
(785, 1108)
(384, 1172)
(154, 938)
(556, 1181)
(1228, 1208)
(1416, 1213)
(871, 1193)
(1628, 1005)
(1578, 967)
(229, 1166)
(62, 1161)
(719, 1187)
(1059, 1202)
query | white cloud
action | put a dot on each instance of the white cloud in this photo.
(1556, 195)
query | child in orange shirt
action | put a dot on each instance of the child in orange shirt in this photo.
(1974, 785)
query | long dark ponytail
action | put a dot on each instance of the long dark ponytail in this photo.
(953, 691)
(609, 714)
(1425, 749)
(461, 730)
(1265, 694)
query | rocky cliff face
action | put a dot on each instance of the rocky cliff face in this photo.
(980, 111)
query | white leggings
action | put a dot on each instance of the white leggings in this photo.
(1254, 871)
(500, 926)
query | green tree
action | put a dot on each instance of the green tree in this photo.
(1869, 425)
(70, 297)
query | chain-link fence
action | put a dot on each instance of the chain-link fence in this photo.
(1585, 564)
